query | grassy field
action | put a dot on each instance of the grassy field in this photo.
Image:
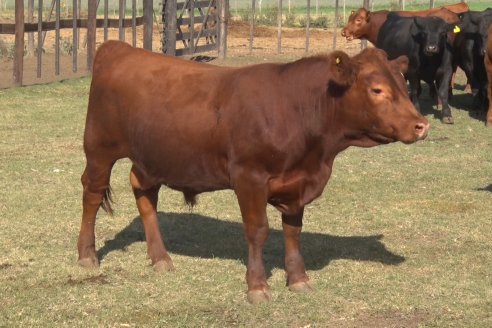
(401, 236)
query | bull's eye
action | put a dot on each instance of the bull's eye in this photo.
(376, 91)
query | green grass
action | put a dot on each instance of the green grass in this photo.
(400, 237)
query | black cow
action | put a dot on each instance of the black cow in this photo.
(425, 41)
(469, 50)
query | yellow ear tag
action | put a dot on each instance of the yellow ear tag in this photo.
(337, 60)
(456, 29)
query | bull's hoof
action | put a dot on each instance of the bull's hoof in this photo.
(89, 262)
(163, 266)
(259, 296)
(301, 287)
(489, 124)
(447, 120)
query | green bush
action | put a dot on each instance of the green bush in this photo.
(268, 16)
(320, 22)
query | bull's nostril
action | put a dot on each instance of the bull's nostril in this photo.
(431, 48)
(421, 129)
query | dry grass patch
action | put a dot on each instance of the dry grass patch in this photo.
(400, 237)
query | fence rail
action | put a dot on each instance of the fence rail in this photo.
(91, 23)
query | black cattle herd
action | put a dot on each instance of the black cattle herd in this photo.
(435, 49)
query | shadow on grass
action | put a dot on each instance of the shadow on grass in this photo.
(460, 100)
(205, 237)
(466, 102)
(488, 188)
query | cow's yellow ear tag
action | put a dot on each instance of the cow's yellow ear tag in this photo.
(456, 29)
(337, 60)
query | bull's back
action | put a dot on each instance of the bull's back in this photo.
(133, 88)
(394, 37)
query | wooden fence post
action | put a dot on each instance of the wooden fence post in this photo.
(75, 36)
(170, 22)
(122, 10)
(106, 23)
(279, 31)
(148, 13)
(308, 20)
(191, 26)
(57, 38)
(223, 24)
(134, 23)
(30, 19)
(19, 42)
(39, 54)
(91, 33)
(363, 43)
(252, 26)
(336, 25)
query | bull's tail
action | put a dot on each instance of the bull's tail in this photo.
(107, 201)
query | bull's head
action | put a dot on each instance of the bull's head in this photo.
(356, 22)
(431, 33)
(376, 108)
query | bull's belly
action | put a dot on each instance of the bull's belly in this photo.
(189, 176)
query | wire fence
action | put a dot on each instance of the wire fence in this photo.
(328, 15)
(323, 6)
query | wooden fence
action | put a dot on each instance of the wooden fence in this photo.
(211, 22)
(91, 23)
(172, 18)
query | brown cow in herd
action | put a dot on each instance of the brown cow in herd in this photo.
(488, 69)
(269, 132)
(364, 24)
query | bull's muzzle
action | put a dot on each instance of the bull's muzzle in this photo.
(431, 50)
(421, 130)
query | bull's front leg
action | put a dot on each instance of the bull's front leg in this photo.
(252, 201)
(414, 82)
(297, 279)
(443, 81)
(488, 63)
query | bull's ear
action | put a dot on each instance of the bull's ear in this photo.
(417, 26)
(368, 17)
(343, 70)
(400, 64)
(475, 19)
(455, 28)
(419, 22)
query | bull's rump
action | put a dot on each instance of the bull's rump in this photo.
(161, 113)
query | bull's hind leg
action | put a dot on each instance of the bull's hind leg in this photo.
(146, 195)
(297, 279)
(95, 181)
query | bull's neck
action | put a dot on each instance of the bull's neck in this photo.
(371, 29)
(305, 85)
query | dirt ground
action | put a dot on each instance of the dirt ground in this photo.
(265, 48)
